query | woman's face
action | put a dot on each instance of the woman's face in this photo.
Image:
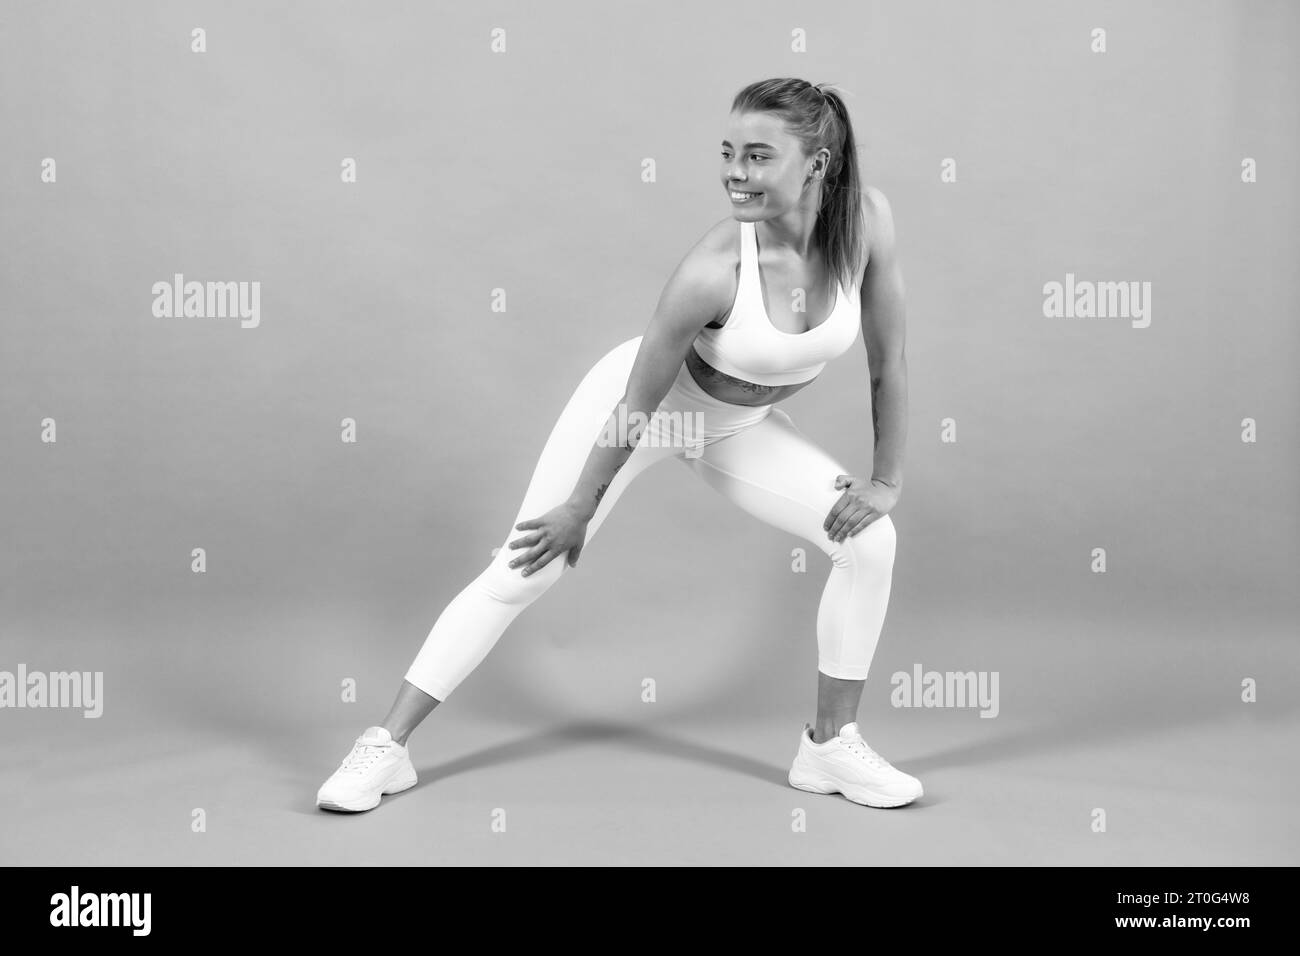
(764, 168)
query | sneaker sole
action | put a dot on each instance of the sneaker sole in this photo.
(362, 804)
(861, 796)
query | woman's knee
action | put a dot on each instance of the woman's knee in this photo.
(872, 547)
(510, 586)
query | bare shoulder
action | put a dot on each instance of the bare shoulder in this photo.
(878, 225)
(703, 285)
(719, 248)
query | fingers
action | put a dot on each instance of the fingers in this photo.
(868, 516)
(837, 526)
(526, 542)
(542, 551)
(528, 557)
(834, 513)
(573, 556)
(851, 521)
(541, 562)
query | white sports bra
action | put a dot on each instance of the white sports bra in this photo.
(751, 348)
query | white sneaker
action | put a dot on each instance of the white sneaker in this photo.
(377, 765)
(845, 764)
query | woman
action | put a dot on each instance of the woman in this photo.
(701, 385)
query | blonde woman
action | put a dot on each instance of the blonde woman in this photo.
(723, 348)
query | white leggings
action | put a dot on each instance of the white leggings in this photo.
(754, 456)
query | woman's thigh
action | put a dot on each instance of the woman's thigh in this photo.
(778, 474)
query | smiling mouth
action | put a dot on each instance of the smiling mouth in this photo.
(742, 197)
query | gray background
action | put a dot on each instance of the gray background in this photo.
(522, 171)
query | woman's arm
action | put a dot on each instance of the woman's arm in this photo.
(694, 296)
(884, 333)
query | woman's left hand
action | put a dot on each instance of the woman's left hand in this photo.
(864, 500)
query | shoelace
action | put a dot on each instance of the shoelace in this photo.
(361, 757)
(859, 746)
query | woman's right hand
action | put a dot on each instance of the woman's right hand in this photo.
(563, 528)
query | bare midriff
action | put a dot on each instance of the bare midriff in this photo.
(736, 391)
